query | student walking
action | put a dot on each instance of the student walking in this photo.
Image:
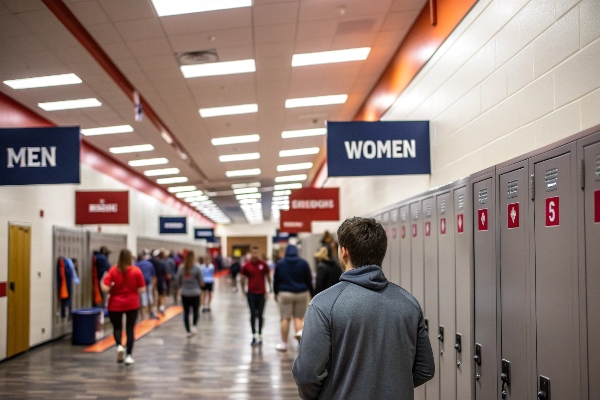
(147, 298)
(328, 270)
(208, 274)
(124, 282)
(189, 281)
(255, 272)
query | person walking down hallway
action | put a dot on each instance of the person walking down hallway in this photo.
(190, 283)
(255, 272)
(208, 274)
(124, 283)
(292, 284)
(147, 298)
(328, 270)
(365, 337)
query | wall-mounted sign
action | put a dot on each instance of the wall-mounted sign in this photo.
(283, 236)
(378, 148)
(101, 208)
(316, 204)
(293, 223)
(205, 233)
(33, 156)
(173, 225)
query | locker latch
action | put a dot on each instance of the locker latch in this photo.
(477, 356)
(426, 324)
(458, 344)
(544, 393)
(441, 334)
(11, 286)
(505, 377)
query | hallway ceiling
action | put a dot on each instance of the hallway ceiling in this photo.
(145, 47)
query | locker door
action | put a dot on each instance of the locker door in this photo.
(418, 277)
(386, 264)
(484, 245)
(394, 247)
(405, 249)
(591, 156)
(431, 310)
(465, 375)
(19, 287)
(556, 275)
(514, 296)
(447, 297)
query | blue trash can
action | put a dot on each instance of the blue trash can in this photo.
(87, 325)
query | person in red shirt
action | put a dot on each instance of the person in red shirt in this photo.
(255, 272)
(124, 282)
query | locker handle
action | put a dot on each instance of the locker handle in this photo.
(458, 344)
(427, 325)
(477, 356)
(544, 393)
(441, 335)
(505, 377)
(11, 286)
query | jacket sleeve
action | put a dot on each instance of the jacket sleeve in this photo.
(310, 367)
(276, 278)
(424, 365)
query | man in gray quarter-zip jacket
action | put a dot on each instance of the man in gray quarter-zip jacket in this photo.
(363, 338)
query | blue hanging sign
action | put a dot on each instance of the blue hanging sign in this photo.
(378, 148)
(205, 233)
(173, 225)
(34, 156)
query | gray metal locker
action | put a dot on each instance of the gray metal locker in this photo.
(554, 255)
(405, 249)
(486, 283)
(515, 278)
(394, 246)
(447, 296)
(431, 307)
(417, 273)
(386, 264)
(463, 240)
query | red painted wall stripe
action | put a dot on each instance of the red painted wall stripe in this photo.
(2, 289)
(421, 42)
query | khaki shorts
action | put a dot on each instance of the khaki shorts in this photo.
(293, 304)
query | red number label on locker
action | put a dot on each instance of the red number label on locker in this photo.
(597, 206)
(427, 228)
(414, 230)
(443, 226)
(482, 219)
(403, 232)
(460, 225)
(553, 211)
(513, 215)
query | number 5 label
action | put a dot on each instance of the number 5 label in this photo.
(553, 211)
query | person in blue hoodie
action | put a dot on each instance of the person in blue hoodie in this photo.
(292, 284)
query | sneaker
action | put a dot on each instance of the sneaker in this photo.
(254, 342)
(298, 335)
(120, 353)
(194, 330)
(153, 316)
(281, 346)
(189, 334)
(259, 340)
(129, 360)
(161, 310)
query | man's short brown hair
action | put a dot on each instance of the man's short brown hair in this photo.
(365, 240)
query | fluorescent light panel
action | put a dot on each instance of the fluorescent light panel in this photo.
(248, 201)
(44, 81)
(228, 110)
(245, 190)
(277, 198)
(162, 171)
(175, 179)
(131, 149)
(235, 140)
(148, 161)
(299, 152)
(294, 167)
(248, 196)
(218, 68)
(282, 193)
(316, 101)
(242, 172)
(239, 157)
(178, 189)
(69, 104)
(330, 57)
(245, 185)
(192, 193)
(288, 186)
(177, 7)
(303, 133)
(291, 178)
(107, 130)
(194, 199)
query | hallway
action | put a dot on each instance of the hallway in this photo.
(218, 363)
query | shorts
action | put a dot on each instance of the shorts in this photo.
(161, 287)
(293, 304)
(148, 297)
(208, 287)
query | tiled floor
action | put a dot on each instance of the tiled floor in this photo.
(218, 363)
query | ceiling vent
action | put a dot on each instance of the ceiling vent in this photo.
(356, 26)
(198, 57)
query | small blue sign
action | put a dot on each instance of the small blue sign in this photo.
(205, 233)
(173, 225)
(378, 148)
(283, 236)
(33, 156)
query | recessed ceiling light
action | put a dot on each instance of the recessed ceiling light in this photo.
(148, 161)
(245, 185)
(248, 201)
(239, 157)
(235, 139)
(167, 137)
(303, 133)
(107, 130)
(330, 57)
(228, 110)
(177, 189)
(195, 199)
(299, 152)
(291, 178)
(248, 196)
(277, 198)
(175, 179)
(288, 186)
(176, 7)
(192, 193)
(131, 149)
(242, 172)
(316, 101)
(69, 104)
(245, 190)
(44, 81)
(218, 68)
(294, 167)
(162, 171)
(282, 193)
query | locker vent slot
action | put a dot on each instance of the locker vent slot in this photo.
(403, 216)
(598, 167)
(416, 214)
(483, 196)
(513, 187)
(428, 210)
(461, 201)
(551, 179)
(394, 215)
(443, 207)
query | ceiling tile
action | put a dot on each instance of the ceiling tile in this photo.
(150, 47)
(12, 26)
(275, 33)
(41, 21)
(269, 50)
(319, 9)
(119, 10)
(105, 33)
(202, 41)
(316, 29)
(21, 44)
(276, 13)
(89, 13)
(58, 39)
(20, 6)
(117, 51)
(208, 21)
(408, 5)
(399, 20)
(140, 29)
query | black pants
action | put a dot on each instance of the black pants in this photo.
(188, 302)
(116, 318)
(257, 306)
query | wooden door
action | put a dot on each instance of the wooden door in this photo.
(19, 255)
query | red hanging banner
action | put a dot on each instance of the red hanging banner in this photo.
(101, 208)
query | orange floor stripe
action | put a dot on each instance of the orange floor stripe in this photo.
(141, 329)
(221, 273)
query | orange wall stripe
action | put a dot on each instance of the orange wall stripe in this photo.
(421, 42)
